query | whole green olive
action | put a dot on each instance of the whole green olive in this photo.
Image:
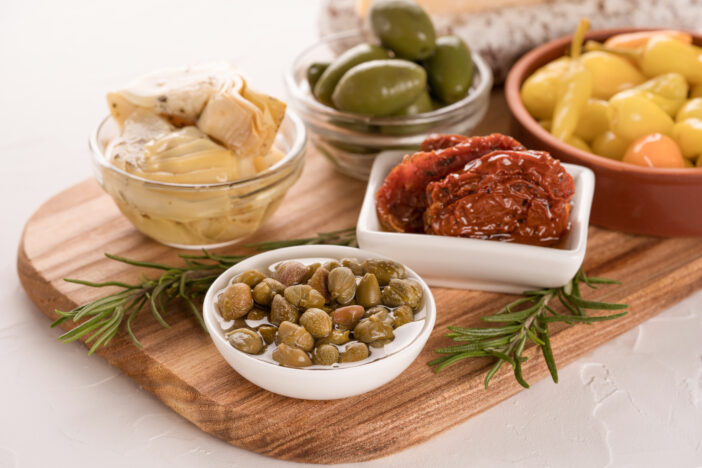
(294, 335)
(325, 355)
(282, 310)
(291, 272)
(420, 105)
(314, 71)
(336, 337)
(342, 285)
(235, 301)
(354, 352)
(267, 332)
(246, 340)
(404, 27)
(380, 87)
(290, 356)
(402, 292)
(264, 291)
(384, 270)
(250, 278)
(256, 314)
(326, 84)
(403, 315)
(373, 328)
(317, 322)
(318, 281)
(303, 296)
(450, 70)
(347, 316)
(352, 264)
(368, 291)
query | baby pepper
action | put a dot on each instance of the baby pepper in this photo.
(639, 39)
(540, 91)
(610, 73)
(688, 135)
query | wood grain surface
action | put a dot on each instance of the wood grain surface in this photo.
(68, 235)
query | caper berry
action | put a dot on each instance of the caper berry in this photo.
(246, 340)
(250, 277)
(317, 322)
(347, 316)
(264, 291)
(235, 301)
(291, 272)
(354, 352)
(403, 315)
(352, 264)
(368, 291)
(295, 335)
(282, 310)
(372, 329)
(384, 270)
(325, 355)
(337, 337)
(318, 281)
(256, 314)
(290, 356)
(267, 332)
(342, 285)
(303, 296)
(402, 292)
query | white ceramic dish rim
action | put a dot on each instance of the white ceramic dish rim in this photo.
(579, 212)
(309, 251)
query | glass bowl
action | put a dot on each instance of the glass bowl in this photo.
(352, 141)
(195, 216)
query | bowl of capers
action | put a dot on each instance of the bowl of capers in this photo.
(319, 322)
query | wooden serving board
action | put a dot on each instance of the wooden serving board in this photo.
(68, 235)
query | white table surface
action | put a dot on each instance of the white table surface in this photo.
(636, 401)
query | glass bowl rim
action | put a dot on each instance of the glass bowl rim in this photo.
(291, 156)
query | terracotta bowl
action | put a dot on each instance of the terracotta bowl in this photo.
(629, 198)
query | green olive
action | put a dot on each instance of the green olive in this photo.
(291, 272)
(264, 291)
(324, 88)
(380, 87)
(450, 70)
(318, 281)
(317, 322)
(246, 340)
(342, 285)
(347, 316)
(354, 352)
(314, 71)
(337, 337)
(282, 310)
(421, 105)
(303, 296)
(291, 357)
(294, 335)
(384, 270)
(403, 315)
(250, 278)
(325, 355)
(235, 301)
(368, 291)
(373, 328)
(256, 314)
(402, 292)
(404, 27)
(267, 332)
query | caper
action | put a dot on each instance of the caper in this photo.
(352, 264)
(291, 357)
(250, 277)
(246, 340)
(384, 270)
(282, 310)
(337, 337)
(368, 291)
(291, 272)
(342, 285)
(372, 329)
(256, 314)
(328, 81)
(235, 301)
(402, 292)
(317, 322)
(354, 352)
(318, 281)
(404, 27)
(403, 315)
(264, 291)
(303, 296)
(294, 335)
(325, 355)
(347, 316)
(314, 71)
(380, 87)
(450, 69)
(267, 332)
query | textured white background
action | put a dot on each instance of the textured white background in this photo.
(634, 402)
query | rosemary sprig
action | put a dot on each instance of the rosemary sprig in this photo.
(524, 320)
(104, 317)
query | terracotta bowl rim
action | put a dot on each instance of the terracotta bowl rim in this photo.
(533, 59)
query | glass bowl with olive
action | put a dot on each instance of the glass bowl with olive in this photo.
(319, 322)
(364, 92)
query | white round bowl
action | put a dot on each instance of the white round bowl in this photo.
(314, 384)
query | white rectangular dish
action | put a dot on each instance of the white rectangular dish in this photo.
(485, 265)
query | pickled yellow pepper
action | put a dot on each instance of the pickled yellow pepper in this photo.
(574, 90)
